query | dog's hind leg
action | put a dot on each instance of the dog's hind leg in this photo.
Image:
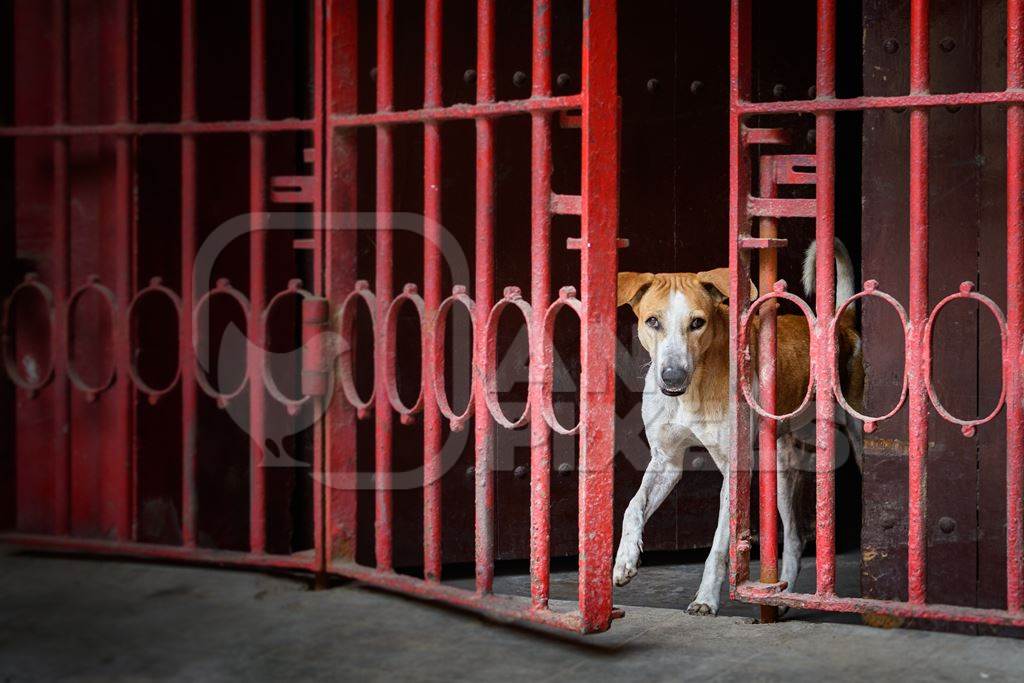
(788, 474)
(663, 473)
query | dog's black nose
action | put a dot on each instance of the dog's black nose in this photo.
(673, 376)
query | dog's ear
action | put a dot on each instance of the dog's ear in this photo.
(632, 286)
(717, 283)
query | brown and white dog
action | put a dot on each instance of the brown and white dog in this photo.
(684, 326)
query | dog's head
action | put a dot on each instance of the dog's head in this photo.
(681, 316)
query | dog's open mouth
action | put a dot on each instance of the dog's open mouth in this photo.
(673, 392)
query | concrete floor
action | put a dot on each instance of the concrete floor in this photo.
(93, 619)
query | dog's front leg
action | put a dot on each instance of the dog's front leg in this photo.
(710, 591)
(660, 478)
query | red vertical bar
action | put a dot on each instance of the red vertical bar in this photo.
(61, 270)
(739, 292)
(186, 352)
(385, 182)
(825, 303)
(599, 262)
(319, 283)
(340, 268)
(431, 293)
(918, 398)
(1014, 311)
(768, 455)
(484, 461)
(540, 294)
(257, 279)
(125, 249)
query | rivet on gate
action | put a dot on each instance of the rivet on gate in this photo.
(891, 46)
(470, 472)
(947, 44)
(947, 525)
(696, 87)
(812, 92)
(469, 75)
(888, 520)
(564, 469)
(779, 90)
(519, 79)
(563, 80)
(812, 136)
(519, 472)
(698, 462)
(373, 74)
(653, 85)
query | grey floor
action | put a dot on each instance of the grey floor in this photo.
(90, 619)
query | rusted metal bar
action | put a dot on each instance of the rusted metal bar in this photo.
(768, 429)
(431, 292)
(99, 546)
(497, 606)
(913, 100)
(1012, 381)
(821, 350)
(340, 276)
(122, 474)
(484, 289)
(918, 342)
(257, 280)
(186, 350)
(184, 127)
(385, 184)
(320, 543)
(770, 595)
(598, 265)
(739, 294)
(61, 274)
(540, 293)
(775, 207)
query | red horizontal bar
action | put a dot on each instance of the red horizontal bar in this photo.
(754, 592)
(500, 606)
(782, 208)
(566, 204)
(180, 128)
(876, 102)
(763, 243)
(767, 136)
(303, 560)
(482, 110)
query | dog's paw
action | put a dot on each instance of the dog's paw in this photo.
(702, 609)
(626, 563)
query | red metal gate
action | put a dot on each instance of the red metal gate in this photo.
(918, 392)
(70, 411)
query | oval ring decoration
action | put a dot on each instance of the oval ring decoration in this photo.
(779, 292)
(291, 405)
(967, 291)
(411, 294)
(566, 298)
(152, 393)
(223, 288)
(91, 391)
(31, 281)
(459, 296)
(512, 297)
(346, 324)
(870, 290)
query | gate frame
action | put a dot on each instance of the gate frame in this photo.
(331, 186)
(744, 206)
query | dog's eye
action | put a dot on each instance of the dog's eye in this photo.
(653, 323)
(696, 323)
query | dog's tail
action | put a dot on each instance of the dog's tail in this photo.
(844, 272)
